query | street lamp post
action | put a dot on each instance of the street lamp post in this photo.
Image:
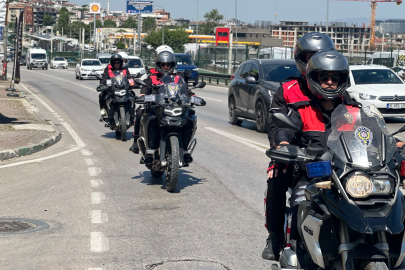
(236, 30)
(196, 37)
(163, 27)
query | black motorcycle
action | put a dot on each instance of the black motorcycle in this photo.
(120, 104)
(167, 128)
(350, 209)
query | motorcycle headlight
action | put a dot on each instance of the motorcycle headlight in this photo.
(359, 186)
(170, 111)
(381, 187)
(367, 96)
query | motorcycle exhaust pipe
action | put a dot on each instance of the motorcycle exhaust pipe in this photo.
(142, 146)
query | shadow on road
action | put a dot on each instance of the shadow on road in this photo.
(111, 135)
(7, 120)
(185, 180)
(247, 125)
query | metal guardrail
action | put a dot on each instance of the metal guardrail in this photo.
(72, 64)
(215, 76)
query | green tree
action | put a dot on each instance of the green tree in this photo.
(148, 24)
(63, 21)
(48, 20)
(120, 45)
(129, 23)
(175, 39)
(11, 25)
(110, 24)
(212, 20)
(185, 25)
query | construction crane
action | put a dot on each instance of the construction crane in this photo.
(372, 15)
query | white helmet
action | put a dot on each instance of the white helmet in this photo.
(125, 56)
(163, 48)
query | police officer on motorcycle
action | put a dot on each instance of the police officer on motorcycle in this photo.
(279, 175)
(116, 65)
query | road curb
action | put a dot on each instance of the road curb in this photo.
(33, 148)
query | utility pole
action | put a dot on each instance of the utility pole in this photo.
(196, 37)
(327, 17)
(139, 30)
(236, 29)
(83, 38)
(230, 51)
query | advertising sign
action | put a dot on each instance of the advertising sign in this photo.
(139, 7)
(28, 16)
(1, 32)
(95, 8)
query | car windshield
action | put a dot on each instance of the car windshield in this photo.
(184, 60)
(134, 63)
(104, 60)
(91, 63)
(38, 56)
(278, 73)
(375, 76)
(59, 59)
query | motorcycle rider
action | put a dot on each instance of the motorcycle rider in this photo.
(165, 65)
(116, 64)
(279, 175)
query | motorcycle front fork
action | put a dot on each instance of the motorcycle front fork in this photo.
(346, 246)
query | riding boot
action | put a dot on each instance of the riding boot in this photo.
(273, 247)
(134, 148)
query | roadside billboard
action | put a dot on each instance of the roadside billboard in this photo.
(139, 7)
(28, 16)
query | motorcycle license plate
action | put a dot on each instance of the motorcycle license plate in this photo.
(396, 106)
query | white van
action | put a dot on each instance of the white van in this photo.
(36, 58)
(388, 59)
(276, 53)
(104, 58)
(135, 65)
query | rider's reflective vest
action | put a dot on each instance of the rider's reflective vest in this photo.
(311, 116)
(111, 72)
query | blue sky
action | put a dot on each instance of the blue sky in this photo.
(252, 10)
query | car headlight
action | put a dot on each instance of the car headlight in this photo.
(270, 93)
(359, 186)
(170, 111)
(367, 96)
(195, 69)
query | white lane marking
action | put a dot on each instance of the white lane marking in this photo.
(98, 242)
(89, 161)
(40, 100)
(96, 183)
(97, 197)
(79, 142)
(98, 217)
(255, 145)
(70, 82)
(94, 171)
(86, 152)
(210, 98)
(60, 119)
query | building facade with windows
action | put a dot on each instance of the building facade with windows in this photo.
(347, 37)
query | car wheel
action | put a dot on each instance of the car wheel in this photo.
(260, 113)
(233, 118)
(80, 77)
(77, 77)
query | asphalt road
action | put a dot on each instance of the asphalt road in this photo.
(105, 211)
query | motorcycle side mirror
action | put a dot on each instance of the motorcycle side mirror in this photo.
(139, 81)
(98, 76)
(283, 121)
(402, 129)
(200, 85)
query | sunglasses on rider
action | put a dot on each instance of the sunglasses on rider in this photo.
(116, 63)
(165, 64)
(325, 77)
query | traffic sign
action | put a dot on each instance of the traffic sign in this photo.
(139, 7)
(95, 8)
(1, 32)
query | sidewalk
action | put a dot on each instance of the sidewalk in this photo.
(21, 131)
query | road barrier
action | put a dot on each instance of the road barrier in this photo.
(215, 76)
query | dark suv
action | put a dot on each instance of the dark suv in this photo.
(252, 87)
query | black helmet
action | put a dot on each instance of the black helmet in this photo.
(116, 57)
(165, 57)
(311, 42)
(329, 61)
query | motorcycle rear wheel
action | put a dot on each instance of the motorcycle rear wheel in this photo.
(376, 266)
(172, 169)
(123, 123)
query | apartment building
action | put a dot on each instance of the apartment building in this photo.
(347, 37)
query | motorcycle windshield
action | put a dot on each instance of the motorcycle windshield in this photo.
(362, 131)
(119, 80)
(172, 86)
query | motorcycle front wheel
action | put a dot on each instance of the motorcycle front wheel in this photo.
(172, 169)
(123, 123)
(376, 266)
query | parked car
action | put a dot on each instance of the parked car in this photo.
(252, 87)
(59, 62)
(379, 86)
(135, 65)
(23, 60)
(88, 68)
(398, 70)
(185, 62)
